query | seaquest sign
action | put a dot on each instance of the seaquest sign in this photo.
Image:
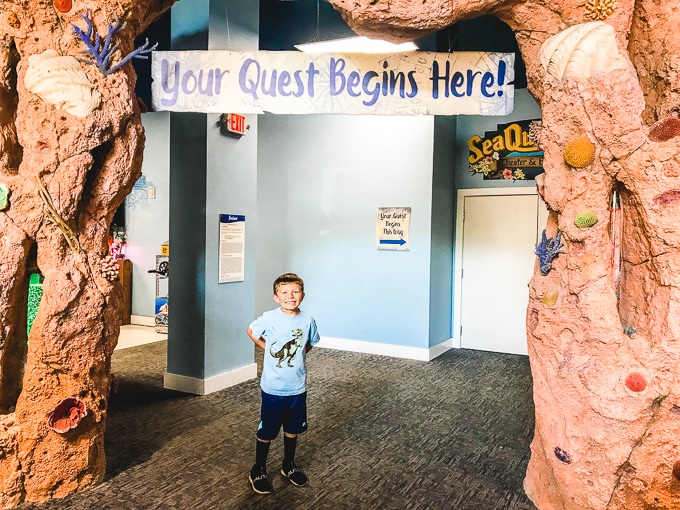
(290, 82)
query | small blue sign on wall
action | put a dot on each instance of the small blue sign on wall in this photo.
(232, 248)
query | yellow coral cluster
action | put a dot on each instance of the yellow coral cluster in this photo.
(598, 10)
(580, 152)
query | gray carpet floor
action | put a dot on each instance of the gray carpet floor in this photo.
(385, 433)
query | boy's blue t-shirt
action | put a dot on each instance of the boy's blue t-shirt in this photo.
(283, 371)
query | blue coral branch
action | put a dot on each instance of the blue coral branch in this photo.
(102, 52)
(547, 250)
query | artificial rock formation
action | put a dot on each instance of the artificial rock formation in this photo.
(71, 144)
(604, 345)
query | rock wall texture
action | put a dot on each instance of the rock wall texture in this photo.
(603, 326)
(71, 144)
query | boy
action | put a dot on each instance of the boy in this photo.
(286, 334)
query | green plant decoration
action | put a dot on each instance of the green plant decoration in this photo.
(585, 219)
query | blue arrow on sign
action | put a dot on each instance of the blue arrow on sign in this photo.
(400, 242)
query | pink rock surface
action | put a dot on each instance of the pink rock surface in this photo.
(87, 164)
(598, 443)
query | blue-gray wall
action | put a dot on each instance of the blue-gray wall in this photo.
(310, 187)
(441, 243)
(322, 179)
(147, 219)
(231, 188)
(209, 174)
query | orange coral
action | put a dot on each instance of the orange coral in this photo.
(580, 152)
(63, 5)
(636, 382)
(664, 129)
(66, 415)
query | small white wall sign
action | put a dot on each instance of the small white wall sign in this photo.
(391, 232)
(232, 248)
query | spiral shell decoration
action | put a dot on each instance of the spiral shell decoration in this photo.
(585, 219)
(60, 81)
(597, 10)
(581, 51)
(580, 152)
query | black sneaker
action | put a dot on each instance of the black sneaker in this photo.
(259, 480)
(293, 473)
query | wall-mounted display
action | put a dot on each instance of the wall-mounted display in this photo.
(391, 229)
(506, 153)
(232, 248)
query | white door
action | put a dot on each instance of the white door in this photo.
(498, 241)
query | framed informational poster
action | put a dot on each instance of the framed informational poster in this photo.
(391, 231)
(232, 248)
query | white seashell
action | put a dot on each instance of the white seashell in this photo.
(60, 81)
(582, 50)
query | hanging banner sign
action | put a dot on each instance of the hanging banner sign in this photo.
(291, 82)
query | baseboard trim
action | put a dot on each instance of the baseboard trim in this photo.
(142, 320)
(395, 351)
(210, 385)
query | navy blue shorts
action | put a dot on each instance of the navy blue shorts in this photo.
(291, 412)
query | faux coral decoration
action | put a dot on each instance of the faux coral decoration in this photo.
(582, 51)
(597, 10)
(61, 81)
(66, 415)
(110, 268)
(4, 196)
(63, 5)
(13, 20)
(550, 296)
(585, 219)
(535, 130)
(102, 50)
(664, 129)
(580, 152)
(562, 455)
(667, 197)
(547, 250)
(676, 470)
(636, 382)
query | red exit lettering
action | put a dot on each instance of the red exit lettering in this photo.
(236, 123)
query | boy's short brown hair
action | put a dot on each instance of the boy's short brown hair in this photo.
(288, 278)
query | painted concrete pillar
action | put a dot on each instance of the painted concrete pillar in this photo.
(210, 174)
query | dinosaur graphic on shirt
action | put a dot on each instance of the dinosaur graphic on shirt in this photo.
(289, 349)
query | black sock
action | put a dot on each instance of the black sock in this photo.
(289, 444)
(261, 453)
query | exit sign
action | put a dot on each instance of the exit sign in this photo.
(236, 124)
